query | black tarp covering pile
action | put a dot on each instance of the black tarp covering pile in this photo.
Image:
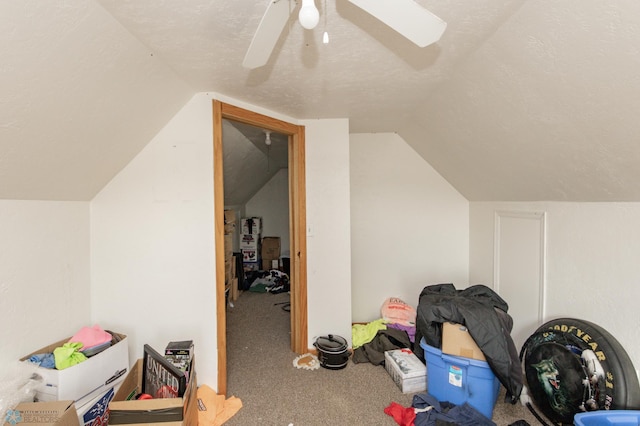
(484, 313)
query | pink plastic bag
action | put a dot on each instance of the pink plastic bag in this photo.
(394, 310)
(91, 336)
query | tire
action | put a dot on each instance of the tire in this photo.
(554, 352)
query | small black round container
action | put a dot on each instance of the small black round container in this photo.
(333, 351)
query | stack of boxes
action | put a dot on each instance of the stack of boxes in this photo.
(230, 273)
(250, 229)
(270, 253)
(90, 385)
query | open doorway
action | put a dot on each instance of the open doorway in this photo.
(297, 225)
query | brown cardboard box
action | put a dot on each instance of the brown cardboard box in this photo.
(228, 270)
(230, 216)
(457, 341)
(268, 264)
(57, 413)
(229, 221)
(270, 248)
(123, 409)
(234, 292)
(228, 246)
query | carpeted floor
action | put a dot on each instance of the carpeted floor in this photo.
(274, 392)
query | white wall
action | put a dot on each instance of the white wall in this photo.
(271, 203)
(409, 227)
(592, 262)
(152, 248)
(44, 274)
(152, 244)
(328, 228)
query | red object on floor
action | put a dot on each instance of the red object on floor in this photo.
(403, 416)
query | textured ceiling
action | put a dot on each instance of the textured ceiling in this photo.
(518, 100)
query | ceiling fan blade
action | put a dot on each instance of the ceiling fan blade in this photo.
(406, 17)
(264, 40)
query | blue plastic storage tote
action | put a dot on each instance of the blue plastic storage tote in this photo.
(458, 380)
(608, 417)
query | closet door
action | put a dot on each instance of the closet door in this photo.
(519, 265)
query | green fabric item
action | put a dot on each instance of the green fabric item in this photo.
(364, 333)
(68, 355)
(258, 288)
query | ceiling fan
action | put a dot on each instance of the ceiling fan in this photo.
(404, 16)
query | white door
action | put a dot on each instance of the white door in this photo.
(519, 269)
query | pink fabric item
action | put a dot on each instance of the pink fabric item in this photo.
(91, 336)
(395, 310)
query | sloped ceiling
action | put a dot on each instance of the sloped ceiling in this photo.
(248, 161)
(519, 100)
(80, 97)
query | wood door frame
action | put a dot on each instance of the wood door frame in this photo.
(297, 226)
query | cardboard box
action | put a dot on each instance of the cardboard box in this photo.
(123, 409)
(229, 221)
(270, 248)
(406, 370)
(228, 246)
(94, 412)
(250, 225)
(249, 241)
(457, 341)
(229, 228)
(229, 270)
(97, 373)
(268, 264)
(230, 216)
(58, 413)
(235, 292)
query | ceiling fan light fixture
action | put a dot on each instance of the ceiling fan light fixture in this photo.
(309, 15)
(406, 17)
